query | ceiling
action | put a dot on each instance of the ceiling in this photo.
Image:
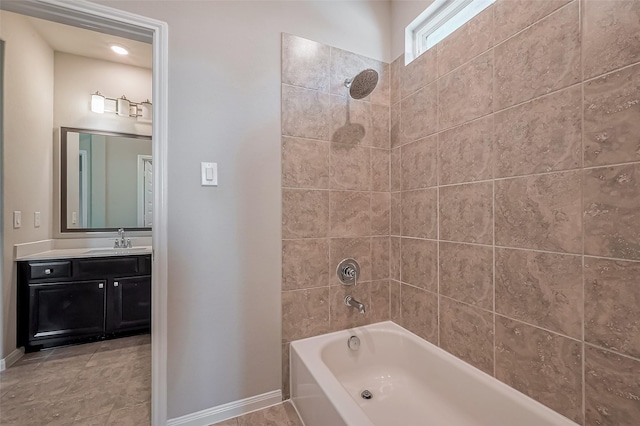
(83, 42)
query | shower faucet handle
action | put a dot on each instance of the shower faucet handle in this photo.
(348, 272)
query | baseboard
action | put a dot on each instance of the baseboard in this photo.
(11, 359)
(229, 410)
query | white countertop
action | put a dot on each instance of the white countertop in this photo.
(86, 252)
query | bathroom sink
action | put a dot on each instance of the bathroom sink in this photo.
(116, 251)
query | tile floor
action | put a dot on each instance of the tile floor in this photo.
(101, 383)
(279, 415)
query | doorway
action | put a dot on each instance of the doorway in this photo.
(124, 24)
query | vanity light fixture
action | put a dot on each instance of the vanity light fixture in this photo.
(122, 107)
(119, 50)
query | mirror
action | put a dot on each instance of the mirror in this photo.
(106, 181)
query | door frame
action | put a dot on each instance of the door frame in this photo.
(85, 14)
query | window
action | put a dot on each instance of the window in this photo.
(439, 20)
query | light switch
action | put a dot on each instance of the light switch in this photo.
(36, 220)
(74, 218)
(209, 174)
(17, 219)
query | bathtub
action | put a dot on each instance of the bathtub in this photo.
(413, 383)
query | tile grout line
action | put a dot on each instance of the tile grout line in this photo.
(582, 233)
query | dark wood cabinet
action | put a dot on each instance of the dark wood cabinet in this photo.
(64, 301)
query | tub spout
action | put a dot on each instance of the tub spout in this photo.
(350, 301)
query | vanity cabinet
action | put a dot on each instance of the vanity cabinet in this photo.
(63, 301)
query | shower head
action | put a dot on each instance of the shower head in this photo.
(362, 84)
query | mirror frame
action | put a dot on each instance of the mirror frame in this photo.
(63, 178)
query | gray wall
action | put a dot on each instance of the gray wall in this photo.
(224, 243)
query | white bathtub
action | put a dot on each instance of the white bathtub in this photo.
(413, 382)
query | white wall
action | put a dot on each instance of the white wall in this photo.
(224, 243)
(403, 12)
(28, 151)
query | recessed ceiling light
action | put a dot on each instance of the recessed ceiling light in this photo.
(119, 50)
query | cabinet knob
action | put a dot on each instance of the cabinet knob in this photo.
(100, 285)
(48, 271)
(116, 284)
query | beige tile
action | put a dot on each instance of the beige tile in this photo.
(466, 273)
(305, 163)
(379, 299)
(380, 95)
(545, 366)
(32, 413)
(612, 117)
(130, 393)
(305, 263)
(85, 405)
(512, 16)
(305, 213)
(350, 121)
(612, 211)
(542, 289)
(466, 213)
(138, 415)
(610, 35)
(305, 313)
(230, 422)
(305, 63)
(380, 126)
(354, 248)
(94, 421)
(396, 137)
(394, 258)
(420, 213)
(350, 215)
(286, 389)
(466, 93)
(380, 258)
(279, 415)
(40, 387)
(418, 163)
(540, 212)
(467, 333)
(380, 213)
(396, 213)
(396, 169)
(418, 73)
(350, 167)
(394, 302)
(418, 115)
(305, 113)
(419, 260)
(109, 374)
(419, 311)
(395, 70)
(611, 389)
(380, 170)
(539, 60)
(543, 135)
(467, 42)
(343, 316)
(465, 152)
(612, 304)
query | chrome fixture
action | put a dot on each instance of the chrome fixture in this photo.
(353, 343)
(350, 301)
(121, 106)
(366, 394)
(348, 271)
(362, 84)
(121, 242)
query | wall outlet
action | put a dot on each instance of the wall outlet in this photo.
(36, 220)
(17, 219)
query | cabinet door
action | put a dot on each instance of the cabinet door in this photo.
(129, 304)
(66, 309)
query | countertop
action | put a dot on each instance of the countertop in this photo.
(86, 252)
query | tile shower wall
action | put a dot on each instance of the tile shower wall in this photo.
(335, 191)
(515, 201)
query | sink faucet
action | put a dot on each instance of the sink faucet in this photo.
(350, 301)
(121, 242)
